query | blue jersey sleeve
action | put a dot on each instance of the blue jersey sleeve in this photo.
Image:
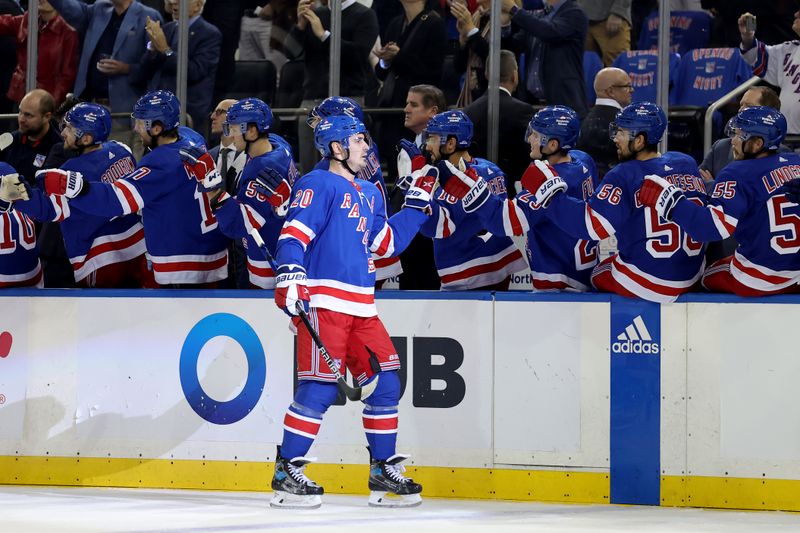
(308, 212)
(717, 220)
(42, 207)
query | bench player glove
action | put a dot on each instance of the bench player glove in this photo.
(199, 164)
(409, 161)
(64, 182)
(541, 180)
(792, 189)
(275, 187)
(463, 183)
(290, 289)
(12, 188)
(661, 195)
(419, 193)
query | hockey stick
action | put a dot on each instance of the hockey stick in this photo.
(352, 393)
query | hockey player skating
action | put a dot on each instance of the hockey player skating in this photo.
(656, 260)
(180, 230)
(262, 188)
(558, 260)
(335, 223)
(748, 202)
(387, 267)
(104, 253)
(467, 257)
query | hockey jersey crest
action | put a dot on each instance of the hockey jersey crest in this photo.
(334, 228)
(387, 267)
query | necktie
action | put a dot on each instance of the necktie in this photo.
(223, 155)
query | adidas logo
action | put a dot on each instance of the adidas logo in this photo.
(667, 168)
(636, 339)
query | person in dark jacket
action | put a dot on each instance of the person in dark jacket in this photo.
(553, 40)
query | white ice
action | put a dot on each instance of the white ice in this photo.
(90, 510)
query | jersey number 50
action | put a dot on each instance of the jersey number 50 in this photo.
(665, 238)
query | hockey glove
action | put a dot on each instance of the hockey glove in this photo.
(464, 184)
(792, 189)
(291, 289)
(199, 164)
(418, 195)
(12, 188)
(541, 180)
(409, 161)
(661, 195)
(64, 182)
(275, 187)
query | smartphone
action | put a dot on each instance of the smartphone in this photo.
(750, 24)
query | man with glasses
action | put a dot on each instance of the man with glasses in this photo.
(614, 91)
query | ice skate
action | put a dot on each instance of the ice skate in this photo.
(292, 488)
(389, 487)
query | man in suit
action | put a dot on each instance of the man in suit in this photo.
(114, 40)
(515, 114)
(159, 64)
(553, 40)
(614, 91)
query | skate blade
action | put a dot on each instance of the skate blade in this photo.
(389, 499)
(285, 500)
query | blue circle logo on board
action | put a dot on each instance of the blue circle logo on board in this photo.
(223, 325)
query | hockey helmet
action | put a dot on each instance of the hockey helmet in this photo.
(91, 119)
(335, 105)
(158, 106)
(556, 122)
(337, 128)
(248, 111)
(640, 118)
(451, 123)
(759, 121)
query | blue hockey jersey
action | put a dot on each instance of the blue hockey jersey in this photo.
(688, 30)
(92, 241)
(250, 210)
(707, 74)
(180, 230)
(747, 202)
(333, 228)
(656, 260)
(558, 260)
(19, 253)
(467, 257)
(642, 67)
(387, 267)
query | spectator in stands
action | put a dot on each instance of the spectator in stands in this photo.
(614, 91)
(159, 64)
(226, 16)
(777, 65)
(309, 39)
(473, 30)
(423, 102)
(35, 137)
(609, 27)
(265, 26)
(553, 40)
(113, 43)
(515, 114)
(774, 20)
(58, 53)
(412, 54)
(721, 152)
(8, 55)
(225, 152)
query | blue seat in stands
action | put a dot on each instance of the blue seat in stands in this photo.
(591, 66)
(642, 67)
(688, 30)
